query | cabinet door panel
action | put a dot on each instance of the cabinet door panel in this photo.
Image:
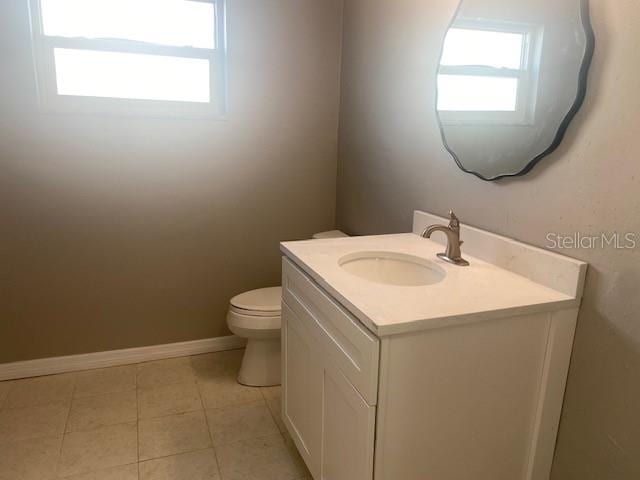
(302, 389)
(340, 335)
(348, 430)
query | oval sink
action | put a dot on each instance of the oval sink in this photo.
(392, 268)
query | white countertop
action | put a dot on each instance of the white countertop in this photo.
(477, 292)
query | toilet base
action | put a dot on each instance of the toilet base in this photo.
(261, 363)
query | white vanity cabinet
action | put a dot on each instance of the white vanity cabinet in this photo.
(325, 352)
(459, 380)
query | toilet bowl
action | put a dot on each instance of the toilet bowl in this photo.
(255, 315)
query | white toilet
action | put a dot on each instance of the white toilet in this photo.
(255, 315)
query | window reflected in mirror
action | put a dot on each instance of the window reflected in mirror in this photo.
(488, 73)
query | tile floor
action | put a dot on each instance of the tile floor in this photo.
(177, 419)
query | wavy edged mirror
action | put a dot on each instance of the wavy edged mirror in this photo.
(512, 75)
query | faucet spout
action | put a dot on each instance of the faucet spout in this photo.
(452, 231)
(430, 230)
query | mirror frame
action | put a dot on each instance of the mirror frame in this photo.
(583, 75)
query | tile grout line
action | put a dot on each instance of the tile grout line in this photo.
(137, 423)
(276, 434)
(243, 403)
(173, 455)
(11, 384)
(101, 469)
(275, 420)
(169, 415)
(273, 415)
(206, 419)
(86, 430)
(66, 422)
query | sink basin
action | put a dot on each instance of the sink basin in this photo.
(392, 268)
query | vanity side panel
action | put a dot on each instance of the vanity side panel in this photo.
(460, 403)
(550, 399)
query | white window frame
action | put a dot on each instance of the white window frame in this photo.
(50, 101)
(527, 76)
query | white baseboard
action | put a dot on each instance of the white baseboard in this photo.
(88, 361)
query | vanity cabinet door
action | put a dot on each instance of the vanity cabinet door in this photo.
(348, 430)
(302, 379)
(330, 422)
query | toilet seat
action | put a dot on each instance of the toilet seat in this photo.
(256, 314)
(252, 325)
(263, 302)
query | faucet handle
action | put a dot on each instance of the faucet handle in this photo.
(454, 223)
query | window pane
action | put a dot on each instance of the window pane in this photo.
(130, 75)
(483, 47)
(166, 22)
(462, 93)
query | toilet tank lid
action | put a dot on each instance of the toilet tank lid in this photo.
(261, 300)
(331, 234)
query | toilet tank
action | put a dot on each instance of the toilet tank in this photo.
(331, 234)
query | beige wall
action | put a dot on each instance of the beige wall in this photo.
(392, 161)
(121, 232)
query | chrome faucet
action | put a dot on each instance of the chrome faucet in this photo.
(452, 254)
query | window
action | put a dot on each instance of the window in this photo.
(488, 73)
(149, 57)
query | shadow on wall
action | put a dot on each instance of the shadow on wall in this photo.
(600, 422)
